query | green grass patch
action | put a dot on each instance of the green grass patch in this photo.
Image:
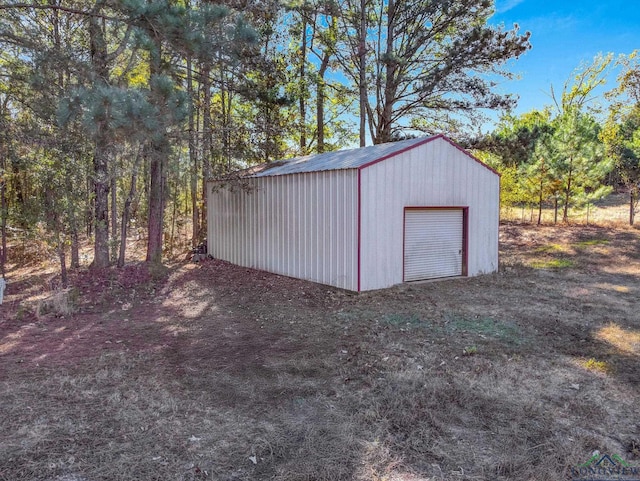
(592, 242)
(486, 327)
(594, 365)
(552, 264)
(551, 248)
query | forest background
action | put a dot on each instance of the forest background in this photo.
(114, 112)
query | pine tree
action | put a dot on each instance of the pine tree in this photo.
(576, 159)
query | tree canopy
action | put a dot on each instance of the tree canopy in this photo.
(115, 113)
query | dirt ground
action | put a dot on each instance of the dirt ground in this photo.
(213, 371)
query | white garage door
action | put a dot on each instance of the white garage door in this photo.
(433, 243)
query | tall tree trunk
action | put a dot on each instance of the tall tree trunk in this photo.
(101, 202)
(73, 227)
(207, 173)
(193, 158)
(126, 209)
(64, 277)
(384, 128)
(302, 106)
(158, 153)
(75, 246)
(632, 207)
(90, 208)
(173, 219)
(155, 226)
(540, 205)
(567, 197)
(320, 99)
(4, 210)
(101, 155)
(114, 216)
(225, 122)
(362, 86)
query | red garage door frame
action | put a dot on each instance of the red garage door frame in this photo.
(465, 234)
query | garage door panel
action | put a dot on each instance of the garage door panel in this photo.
(433, 243)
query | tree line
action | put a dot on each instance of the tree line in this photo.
(576, 150)
(113, 113)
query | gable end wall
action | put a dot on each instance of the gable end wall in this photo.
(434, 174)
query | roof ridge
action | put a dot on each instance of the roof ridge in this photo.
(336, 160)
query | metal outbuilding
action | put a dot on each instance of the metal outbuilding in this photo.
(362, 219)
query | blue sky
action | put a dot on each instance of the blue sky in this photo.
(565, 33)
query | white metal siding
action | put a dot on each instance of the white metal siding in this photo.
(433, 243)
(435, 174)
(302, 225)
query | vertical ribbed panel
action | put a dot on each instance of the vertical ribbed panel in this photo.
(435, 174)
(306, 225)
(302, 225)
(433, 243)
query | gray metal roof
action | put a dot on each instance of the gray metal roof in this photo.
(342, 159)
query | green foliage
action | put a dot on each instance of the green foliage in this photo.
(592, 242)
(515, 138)
(579, 87)
(85, 95)
(562, 158)
(511, 186)
(577, 160)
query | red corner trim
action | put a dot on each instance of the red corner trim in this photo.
(359, 234)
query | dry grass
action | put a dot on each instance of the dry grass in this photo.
(215, 372)
(623, 339)
(61, 302)
(610, 211)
